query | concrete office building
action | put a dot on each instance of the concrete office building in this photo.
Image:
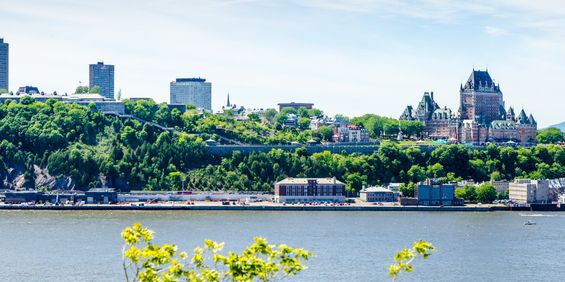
(527, 191)
(102, 75)
(4, 55)
(193, 91)
(378, 194)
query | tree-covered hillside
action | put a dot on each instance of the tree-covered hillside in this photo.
(390, 163)
(88, 149)
(56, 145)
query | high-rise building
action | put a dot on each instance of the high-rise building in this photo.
(4, 65)
(102, 75)
(193, 91)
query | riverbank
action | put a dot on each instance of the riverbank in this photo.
(256, 207)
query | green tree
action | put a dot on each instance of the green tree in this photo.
(403, 259)
(496, 176)
(81, 89)
(436, 170)
(550, 135)
(145, 261)
(95, 89)
(270, 115)
(416, 173)
(326, 133)
(460, 193)
(486, 193)
(470, 193)
(303, 123)
(407, 190)
(354, 183)
(254, 117)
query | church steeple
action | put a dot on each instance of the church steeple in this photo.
(228, 104)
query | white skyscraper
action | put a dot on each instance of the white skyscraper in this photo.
(194, 91)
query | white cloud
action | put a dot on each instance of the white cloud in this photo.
(495, 31)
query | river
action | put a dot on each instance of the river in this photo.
(350, 246)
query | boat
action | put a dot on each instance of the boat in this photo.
(530, 222)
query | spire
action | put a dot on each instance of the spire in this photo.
(229, 105)
(523, 118)
(531, 119)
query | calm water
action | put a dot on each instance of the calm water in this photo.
(351, 246)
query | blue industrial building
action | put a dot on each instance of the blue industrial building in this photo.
(433, 192)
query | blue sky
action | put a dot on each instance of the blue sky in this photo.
(351, 57)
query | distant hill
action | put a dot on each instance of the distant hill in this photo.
(559, 125)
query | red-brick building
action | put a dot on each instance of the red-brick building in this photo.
(307, 190)
(481, 116)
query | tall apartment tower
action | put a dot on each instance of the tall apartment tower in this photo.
(194, 91)
(4, 65)
(102, 75)
(481, 99)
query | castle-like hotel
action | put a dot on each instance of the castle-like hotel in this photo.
(481, 117)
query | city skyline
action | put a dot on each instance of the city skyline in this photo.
(350, 57)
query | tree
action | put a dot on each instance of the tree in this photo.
(81, 89)
(436, 170)
(486, 193)
(254, 117)
(496, 176)
(460, 193)
(416, 173)
(403, 259)
(95, 89)
(354, 183)
(407, 190)
(304, 123)
(326, 133)
(550, 135)
(470, 193)
(145, 261)
(270, 115)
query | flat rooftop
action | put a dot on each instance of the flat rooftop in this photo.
(305, 181)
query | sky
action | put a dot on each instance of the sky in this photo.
(346, 56)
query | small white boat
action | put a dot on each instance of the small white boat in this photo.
(530, 222)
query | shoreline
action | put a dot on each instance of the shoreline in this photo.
(262, 208)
